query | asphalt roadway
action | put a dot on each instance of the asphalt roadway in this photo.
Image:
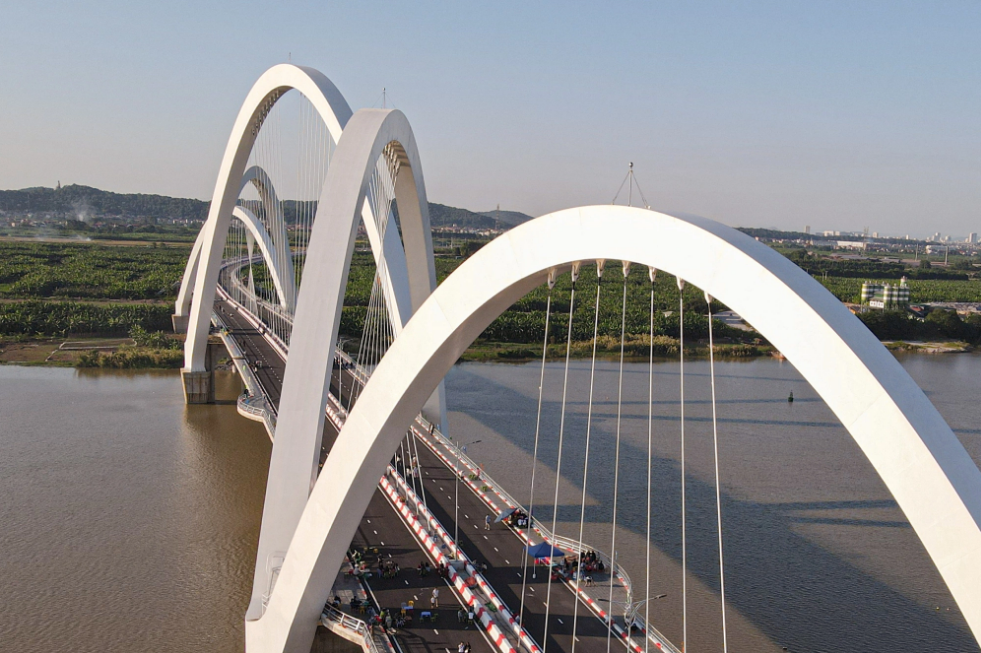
(382, 528)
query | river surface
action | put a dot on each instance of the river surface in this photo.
(128, 521)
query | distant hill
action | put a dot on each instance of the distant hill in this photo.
(85, 202)
(508, 218)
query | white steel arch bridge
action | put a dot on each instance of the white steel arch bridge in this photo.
(372, 164)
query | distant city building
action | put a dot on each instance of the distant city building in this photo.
(972, 238)
(807, 229)
(886, 296)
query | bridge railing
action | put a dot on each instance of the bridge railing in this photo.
(565, 543)
(631, 612)
(331, 617)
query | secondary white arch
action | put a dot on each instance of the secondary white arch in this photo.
(268, 250)
(916, 454)
(411, 275)
(258, 177)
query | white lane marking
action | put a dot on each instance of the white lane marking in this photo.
(466, 515)
(407, 582)
(449, 497)
(435, 631)
(389, 555)
(545, 604)
(485, 537)
(518, 575)
(506, 561)
(368, 520)
(415, 597)
(375, 532)
(531, 588)
(495, 548)
(561, 622)
(475, 526)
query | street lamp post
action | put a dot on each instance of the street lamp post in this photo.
(456, 512)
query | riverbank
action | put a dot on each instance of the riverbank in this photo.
(608, 347)
(107, 353)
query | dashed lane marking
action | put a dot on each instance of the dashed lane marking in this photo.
(560, 621)
(506, 561)
(496, 549)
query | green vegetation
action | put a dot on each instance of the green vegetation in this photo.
(517, 333)
(850, 290)
(86, 271)
(132, 358)
(872, 269)
(939, 324)
(44, 318)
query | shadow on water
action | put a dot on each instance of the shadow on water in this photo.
(798, 593)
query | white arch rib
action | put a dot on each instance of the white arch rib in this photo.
(282, 269)
(333, 110)
(258, 177)
(267, 249)
(306, 383)
(916, 454)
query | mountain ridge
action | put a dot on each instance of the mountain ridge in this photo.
(86, 203)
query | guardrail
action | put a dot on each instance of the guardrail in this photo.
(331, 617)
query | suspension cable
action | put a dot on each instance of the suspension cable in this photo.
(534, 457)
(652, 273)
(684, 543)
(558, 463)
(585, 467)
(616, 463)
(422, 481)
(718, 490)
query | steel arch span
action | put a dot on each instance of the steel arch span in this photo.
(405, 263)
(913, 450)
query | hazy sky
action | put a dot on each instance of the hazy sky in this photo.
(836, 114)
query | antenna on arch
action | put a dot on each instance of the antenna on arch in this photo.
(384, 97)
(631, 182)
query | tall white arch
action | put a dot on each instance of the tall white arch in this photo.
(916, 454)
(411, 274)
(333, 110)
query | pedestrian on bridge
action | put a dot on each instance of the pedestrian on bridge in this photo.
(487, 522)
(435, 597)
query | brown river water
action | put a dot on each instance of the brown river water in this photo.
(128, 521)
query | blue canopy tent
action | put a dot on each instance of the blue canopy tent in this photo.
(544, 550)
(504, 515)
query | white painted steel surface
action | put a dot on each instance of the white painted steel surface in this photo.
(295, 455)
(914, 451)
(335, 112)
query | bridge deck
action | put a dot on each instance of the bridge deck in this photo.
(384, 529)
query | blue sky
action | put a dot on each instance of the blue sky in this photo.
(832, 114)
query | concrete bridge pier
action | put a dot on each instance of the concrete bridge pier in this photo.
(199, 386)
(179, 322)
